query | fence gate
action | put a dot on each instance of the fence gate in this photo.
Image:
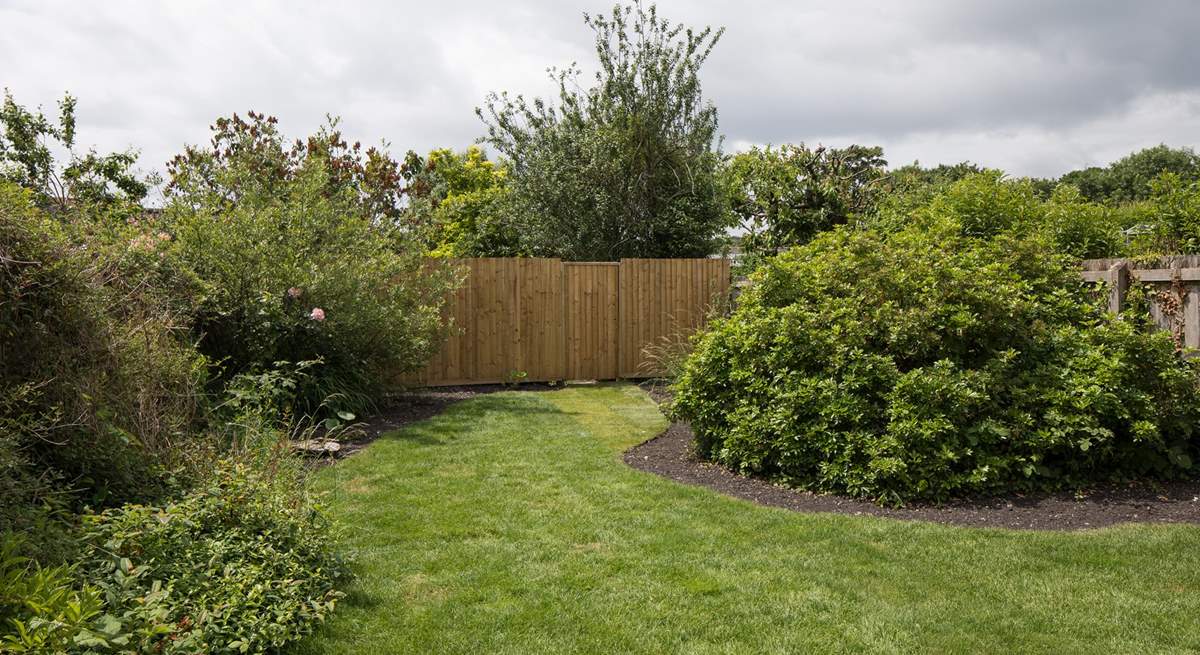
(545, 319)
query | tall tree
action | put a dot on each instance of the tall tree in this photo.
(783, 196)
(628, 166)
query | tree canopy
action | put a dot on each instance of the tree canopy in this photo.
(463, 201)
(1128, 179)
(28, 141)
(784, 196)
(628, 166)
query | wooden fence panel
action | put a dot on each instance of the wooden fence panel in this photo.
(592, 326)
(1174, 299)
(552, 320)
(542, 336)
(664, 299)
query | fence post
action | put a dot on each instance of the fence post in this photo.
(1191, 317)
(1118, 284)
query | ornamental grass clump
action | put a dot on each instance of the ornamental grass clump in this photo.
(957, 354)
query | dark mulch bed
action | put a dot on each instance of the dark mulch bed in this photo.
(670, 455)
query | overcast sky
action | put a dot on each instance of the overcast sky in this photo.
(1033, 87)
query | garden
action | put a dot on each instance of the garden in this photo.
(916, 428)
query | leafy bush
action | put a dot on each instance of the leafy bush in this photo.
(959, 354)
(96, 386)
(241, 564)
(1172, 214)
(42, 610)
(102, 400)
(295, 258)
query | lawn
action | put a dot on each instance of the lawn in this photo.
(509, 524)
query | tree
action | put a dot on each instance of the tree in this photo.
(27, 147)
(248, 160)
(1128, 179)
(784, 196)
(627, 167)
(463, 200)
(912, 176)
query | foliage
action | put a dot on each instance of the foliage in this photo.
(241, 564)
(1084, 229)
(909, 176)
(102, 399)
(784, 196)
(295, 259)
(96, 385)
(27, 158)
(463, 199)
(1128, 179)
(626, 167)
(957, 354)
(248, 162)
(987, 203)
(1171, 214)
(42, 609)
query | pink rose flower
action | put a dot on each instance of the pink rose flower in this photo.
(317, 314)
(295, 292)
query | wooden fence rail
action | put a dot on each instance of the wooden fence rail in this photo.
(1174, 296)
(546, 319)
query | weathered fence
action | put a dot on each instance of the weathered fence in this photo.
(1174, 298)
(546, 319)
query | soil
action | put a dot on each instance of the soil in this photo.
(670, 455)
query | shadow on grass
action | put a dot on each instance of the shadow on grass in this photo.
(357, 598)
(463, 418)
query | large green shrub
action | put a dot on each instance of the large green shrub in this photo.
(241, 564)
(957, 354)
(96, 388)
(294, 256)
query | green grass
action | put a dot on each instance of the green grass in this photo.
(508, 524)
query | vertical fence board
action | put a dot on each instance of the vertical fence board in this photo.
(1174, 286)
(555, 320)
(592, 320)
(664, 300)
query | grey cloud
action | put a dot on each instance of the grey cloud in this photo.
(1035, 87)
